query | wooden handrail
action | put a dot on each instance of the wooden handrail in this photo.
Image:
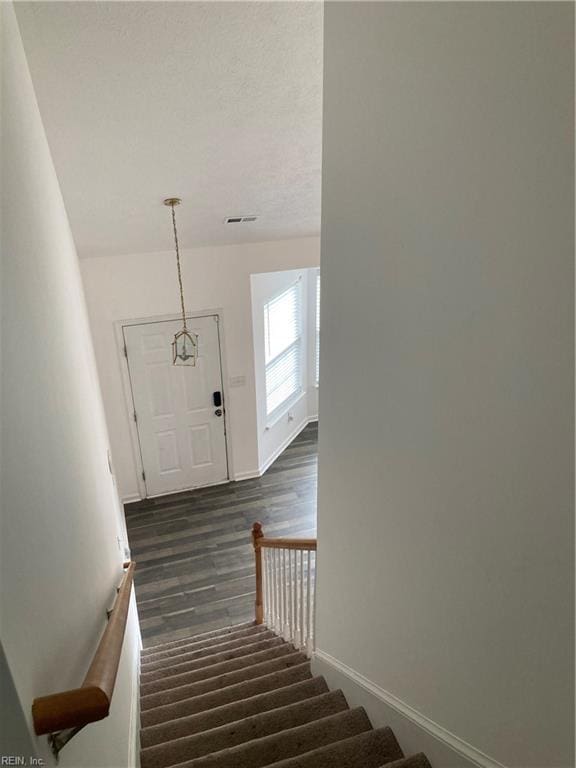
(91, 702)
(306, 544)
(260, 542)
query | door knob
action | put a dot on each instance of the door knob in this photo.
(218, 411)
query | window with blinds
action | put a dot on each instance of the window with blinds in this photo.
(283, 353)
(317, 327)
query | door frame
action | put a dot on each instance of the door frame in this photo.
(130, 407)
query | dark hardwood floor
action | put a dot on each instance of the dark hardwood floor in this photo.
(195, 562)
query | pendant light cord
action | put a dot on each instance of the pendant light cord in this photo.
(178, 266)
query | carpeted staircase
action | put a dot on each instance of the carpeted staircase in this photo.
(242, 698)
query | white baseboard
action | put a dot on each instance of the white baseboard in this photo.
(131, 497)
(252, 473)
(283, 445)
(414, 731)
(247, 475)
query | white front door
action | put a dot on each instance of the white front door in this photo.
(180, 428)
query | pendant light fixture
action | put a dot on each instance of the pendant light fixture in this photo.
(185, 344)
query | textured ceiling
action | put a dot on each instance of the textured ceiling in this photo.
(217, 103)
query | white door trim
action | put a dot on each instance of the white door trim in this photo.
(119, 326)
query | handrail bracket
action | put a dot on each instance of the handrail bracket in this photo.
(58, 741)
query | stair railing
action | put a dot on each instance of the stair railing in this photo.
(286, 587)
(62, 715)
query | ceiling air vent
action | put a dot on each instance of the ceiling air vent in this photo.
(239, 219)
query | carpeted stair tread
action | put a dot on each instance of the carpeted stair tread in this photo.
(371, 749)
(205, 635)
(242, 697)
(205, 662)
(198, 642)
(418, 760)
(278, 695)
(272, 660)
(180, 656)
(245, 730)
(215, 670)
(270, 749)
(272, 675)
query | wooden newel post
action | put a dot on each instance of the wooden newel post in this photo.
(257, 534)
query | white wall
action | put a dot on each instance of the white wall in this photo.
(15, 737)
(144, 285)
(274, 435)
(446, 531)
(61, 517)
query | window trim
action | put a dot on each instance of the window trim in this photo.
(282, 408)
(317, 299)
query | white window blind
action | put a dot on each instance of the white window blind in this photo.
(317, 327)
(283, 354)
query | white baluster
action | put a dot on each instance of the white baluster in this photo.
(301, 635)
(290, 599)
(267, 591)
(296, 600)
(264, 580)
(276, 592)
(272, 582)
(308, 604)
(313, 599)
(296, 603)
(271, 571)
(279, 588)
(286, 626)
(278, 596)
(282, 589)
